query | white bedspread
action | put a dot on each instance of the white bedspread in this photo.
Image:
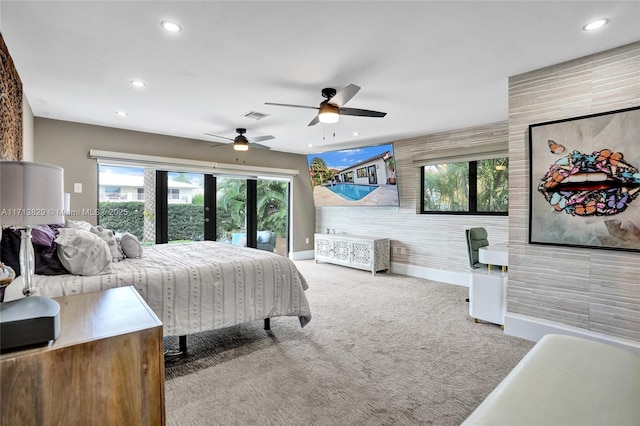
(197, 286)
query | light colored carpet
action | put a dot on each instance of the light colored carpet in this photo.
(384, 350)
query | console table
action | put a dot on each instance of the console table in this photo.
(106, 367)
(355, 251)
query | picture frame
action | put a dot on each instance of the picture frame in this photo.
(584, 178)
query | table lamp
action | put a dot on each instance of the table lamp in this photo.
(30, 194)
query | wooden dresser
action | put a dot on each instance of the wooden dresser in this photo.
(105, 368)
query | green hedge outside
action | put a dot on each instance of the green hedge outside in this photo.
(185, 220)
(122, 216)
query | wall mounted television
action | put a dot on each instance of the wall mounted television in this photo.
(364, 176)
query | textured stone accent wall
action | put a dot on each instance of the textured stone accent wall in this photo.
(597, 290)
(431, 241)
(10, 107)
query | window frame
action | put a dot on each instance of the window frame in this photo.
(473, 189)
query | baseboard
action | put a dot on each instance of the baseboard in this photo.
(302, 255)
(440, 275)
(531, 328)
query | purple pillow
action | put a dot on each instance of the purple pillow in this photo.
(47, 261)
(10, 249)
(42, 235)
(44, 250)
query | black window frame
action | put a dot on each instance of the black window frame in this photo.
(473, 193)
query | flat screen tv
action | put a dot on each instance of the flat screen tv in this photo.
(354, 177)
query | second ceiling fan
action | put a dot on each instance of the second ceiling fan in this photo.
(241, 142)
(330, 110)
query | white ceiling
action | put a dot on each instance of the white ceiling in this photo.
(431, 65)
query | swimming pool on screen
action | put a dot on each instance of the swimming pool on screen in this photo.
(352, 191)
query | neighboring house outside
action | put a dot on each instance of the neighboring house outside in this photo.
(372, 171)
(120, 187)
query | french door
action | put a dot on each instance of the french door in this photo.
(170, 206)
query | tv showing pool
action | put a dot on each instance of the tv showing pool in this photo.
(354, 177)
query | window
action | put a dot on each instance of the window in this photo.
(470, 187)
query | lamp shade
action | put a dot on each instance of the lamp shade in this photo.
(31, 193)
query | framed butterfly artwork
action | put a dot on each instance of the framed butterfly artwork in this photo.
(585, 181)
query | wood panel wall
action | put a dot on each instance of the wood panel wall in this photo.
(593, 289)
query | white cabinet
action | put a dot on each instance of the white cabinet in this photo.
(355, 251)
(488, 296)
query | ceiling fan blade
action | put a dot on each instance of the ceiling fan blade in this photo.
(361, 112)
(343, 96)
(315, 121)
(261, 138)
(221, 137)
(258, 146)
(291, 105)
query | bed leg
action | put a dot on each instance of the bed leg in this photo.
(267, 324)
(182, 344)
(182, 349)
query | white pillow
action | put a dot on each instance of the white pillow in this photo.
(110, 238)
(78, 224)
(130, 245)
(83, 253)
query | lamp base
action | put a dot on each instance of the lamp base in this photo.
(30, 321)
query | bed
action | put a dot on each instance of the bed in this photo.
(196, 286)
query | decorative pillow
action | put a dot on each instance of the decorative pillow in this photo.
(42, 235)
(48, 262)
(10, 249)
(44, 250)
(130, 245)
(78, 224)
(82, 252)
(110, 238)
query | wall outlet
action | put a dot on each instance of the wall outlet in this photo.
(403, 250)
(77, 188)
(306, 240)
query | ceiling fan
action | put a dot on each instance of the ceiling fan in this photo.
(330, 110)
(241, 142)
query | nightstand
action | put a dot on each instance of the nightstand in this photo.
(106, 367)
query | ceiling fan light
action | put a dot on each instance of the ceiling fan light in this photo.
(241, 146)
(328, 114)
(328, 117)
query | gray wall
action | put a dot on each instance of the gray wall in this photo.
(27, 130)
(596, 290)
(68, 144)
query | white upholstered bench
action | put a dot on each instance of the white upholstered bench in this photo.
(566, 380)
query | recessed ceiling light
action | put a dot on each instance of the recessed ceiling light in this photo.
(121, 113)
(355, 133)
(310, 145)
(137, 83)
(594, 25)
(171, 26)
